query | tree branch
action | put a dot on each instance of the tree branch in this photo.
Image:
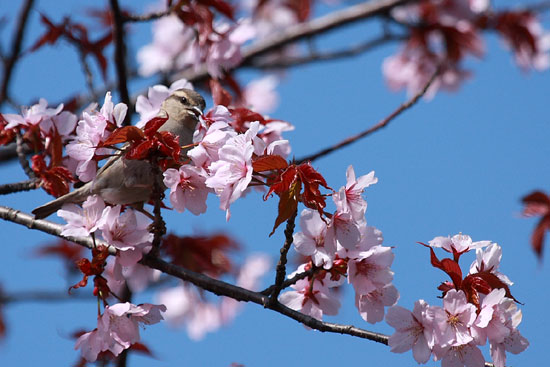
(150, 16)
(15, 48)
(383, 123)
(120, 59)
(11, 188)
(356, 50)
(281, 266)
(20, 150)
(212, 285)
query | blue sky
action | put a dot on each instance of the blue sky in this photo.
(458, 163)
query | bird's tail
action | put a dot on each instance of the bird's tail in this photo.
(54, 205)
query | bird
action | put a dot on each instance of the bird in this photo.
(127, 182)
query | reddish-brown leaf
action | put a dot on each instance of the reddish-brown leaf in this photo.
(288, 204)
(537, 238)
(269, 163)
(152, 126)
(449, 266)
(312, 197)
(221, 6)
(123, 135)
(282, 182)
(219, 94)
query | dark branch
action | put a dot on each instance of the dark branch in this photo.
(120, 58)
(21, 154)
(150, 16)
(378, 126)
(281, 266)
(18, 187)
(15, 49)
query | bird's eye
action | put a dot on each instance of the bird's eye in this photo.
(184, 100)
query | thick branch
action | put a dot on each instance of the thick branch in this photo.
(15, 49)
(212, 285)
(120, 58)
(378, 126)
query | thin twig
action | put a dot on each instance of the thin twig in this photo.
(287, 283)
(18, 187)
(150, 16)
(356, 50)
(383, 123)
(120, 59)
(87, 75)
(159, 226)
(15, 48)
(20, 150)
(281, 266)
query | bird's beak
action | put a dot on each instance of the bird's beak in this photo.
(196, 111)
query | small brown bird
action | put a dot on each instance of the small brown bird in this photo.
(123, 181)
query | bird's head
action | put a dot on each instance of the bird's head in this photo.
(184, 103)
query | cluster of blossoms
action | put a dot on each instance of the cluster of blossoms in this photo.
(339, 245)
(476, 309)
(443, 32)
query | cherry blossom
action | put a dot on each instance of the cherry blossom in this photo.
(452, 322)
(187, 188)
(348, 199)
(314, 300)
(232, 173)
(260, 95)
(413, 330)
(82, 221)
(31, 115)
(343, 231)
(460, 243)
(91, 131)
(311, 240)
(371, 305)
(370, 271)
(488, 259)
(464, 355)
(118, 328)
(128, 232)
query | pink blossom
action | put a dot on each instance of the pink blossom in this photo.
(412, 331)
(454, 319)
(260, 94)
(82, 221)
(149, 107)
(225, 49)
(465, 355)
(128, 232)
(315, 301)
(136, 276)
(311, 240)
(344, 231)
(232, 173)
(459, 242)
(489, 321)
(348, 199)
(488, 259)
(92, 130)
(210, 139)
(185, 306)
(371, 305)
(187, 188)
(31, 115)
(370, 271)
(170, 47)
(118, 328)
(272, 136)
(413, 68)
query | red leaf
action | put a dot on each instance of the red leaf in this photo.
(219, 94)
(52, 34)
(269, 163)
(152, 126)
(449, 266)
(288, 204)
(123, 135)
(283, 181)
(537, 238)
(312, 197)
